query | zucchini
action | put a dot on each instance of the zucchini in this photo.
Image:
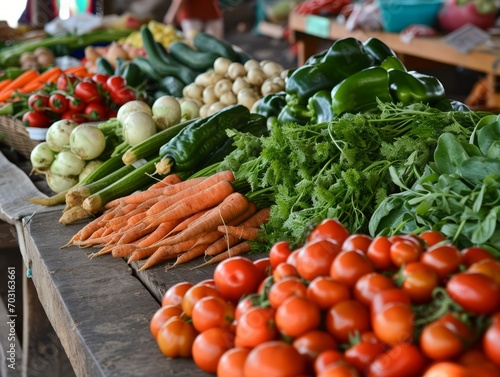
(197, 60)
(147, 68)
(133, 75)
(153, 144)
(172, 85)
(206, 42)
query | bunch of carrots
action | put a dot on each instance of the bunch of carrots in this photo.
(176, 219)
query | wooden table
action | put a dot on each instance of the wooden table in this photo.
(309, 31)
(99, 308)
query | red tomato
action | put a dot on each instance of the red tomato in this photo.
(209, 346)
(101, 79)
(245, 304)
(339, 369)
(388, 296)
(404, 252)
(401, 360)
(357, 241)
(394, 323)
(445, 259)
(212, 311)
(95, 111)
(254, 327)
(36, 119)
(175, 293)
(379, 253)
(457, 326)
(491, 342)
(325, 359)
(476, 293)
(488, 267)
(419, 281)
(176, 337)
(292, 258)
(329, 228)
(285, 288)
(115, 82)
(473, 254)
(284, 270)
(362, 354)
(122, 96)
(263, 266)
(279, 253)
(312, 343)
(432, 237)
(478, 364)
(275, 358)
(76, 104)
(66, 83)
(194, 294)
(315, 258)
(231, 363)
(346, 319)
(88, 91)
(38, 102)
(349, 266)
(296, 316)
(236, 277)
(75, 116)
(446, 369)
(161, 316)
(326, 292)
(58, 103)
(438, 342)
(369, 285)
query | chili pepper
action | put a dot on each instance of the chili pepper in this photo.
(320, 104)
(307, 80)
(392, 62)
(271, 104)
(360, 91)
(411, 87)
(378, 50)
(294, 114)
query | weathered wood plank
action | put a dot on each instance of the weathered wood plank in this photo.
(99, 310)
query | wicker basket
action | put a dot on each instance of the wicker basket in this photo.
(16, 135)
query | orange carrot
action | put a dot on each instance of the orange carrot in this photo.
(161, 231)
(238, 249)
(139, 254)
(166, 252)
(240, 232)
(170, 179)
(188, 255)
(4, 83)
(48, 76)
(185, 223)
(79, 70)
(17, 83)
(122, 251)
(133, 233)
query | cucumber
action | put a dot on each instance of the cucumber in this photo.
(172, 85)
(197, 60)
(147, 68)
(206, 42)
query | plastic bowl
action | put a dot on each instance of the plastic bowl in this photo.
(37, 133)
(396, 15)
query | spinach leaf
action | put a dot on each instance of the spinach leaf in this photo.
(477, 168)
(449, 154)
(487, 135)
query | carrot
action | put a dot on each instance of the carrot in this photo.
(111, 238)
(166, 252)
(121, 251)
(4, 83)
(240, 232)
(79, 70)
(17, 83)
(160, 232)
(185, 223)
(129, 235)
(170, 179)
(48, 76)
(189, 255)
(238, 249)
(139, 254)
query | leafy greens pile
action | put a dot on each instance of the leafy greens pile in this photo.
(339, 169)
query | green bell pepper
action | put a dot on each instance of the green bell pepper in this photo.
(392, 62)
(360, 91)
(271, 104)
(307, 80)
(412, 87)
(316, 58)
(294, 114)
(320, 105)
(378, 50)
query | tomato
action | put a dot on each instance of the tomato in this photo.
(491, 342)
(75, 116)
(438, 342)
(446, 369)
(285, 288)
(212, 311)
(274, 358)
(445, 259)
(236, 277)
(473, 254)
(38, 102)
(401, 360)
(339, 369)
(369, 285)
(115, 82)
(404, 252)
(231, 363)
(66, 83)
(476, 293)
(254, 327)
(263, 266)
(265, 285)
(245, 304)
(95, 111)
(394, 323)
(388, 296)
(488, 267)
(122, 96)
(326, 292)
(478, 364)
(194, 294)
(209, 346)
(161, 316)
(379, 253)
(419, 281)
(463, 331)
(88, 92)
(357, 241)
(296, 316)
(58, 103)
(326, 358)
(284, 270)
(312, 343)
(329, 228)
(432, 237)
(209, 282)
(76, 104)
(112, 113)
(362, 354)
(36, 119)
(346, 318)
(279, 253)
(315, 258)
(174, 294)
(101, 79)
(176, 337)
(349, 266)
(292, 258)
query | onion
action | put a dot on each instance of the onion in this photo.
(67, 164)
(58, 134)
(166, 112)
(42, 156)
(138, 127)
(87, 142)
(58, 183)
(189, 109)
(132, 107)
(89, 168)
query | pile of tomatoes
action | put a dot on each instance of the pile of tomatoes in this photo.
(341, 305)
(89, 99)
